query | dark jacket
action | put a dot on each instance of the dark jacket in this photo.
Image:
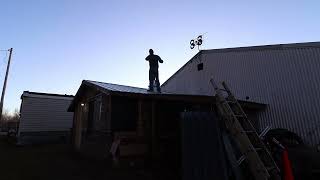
(153, 60)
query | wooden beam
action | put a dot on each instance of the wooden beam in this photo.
(109, 116)
(78, 131)
(153, 128)
(140, 124)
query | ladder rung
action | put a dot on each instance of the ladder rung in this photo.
(270, 168)
(233, 102)
(225, 102)
(255, 149)
(249, 131)
(239, 115)
(241, 159)
(265, 131)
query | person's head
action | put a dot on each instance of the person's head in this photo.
(150, 51)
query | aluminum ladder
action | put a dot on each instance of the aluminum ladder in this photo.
(252, 148)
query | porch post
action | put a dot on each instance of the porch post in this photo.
(109, 114)
(78, 135)
(153, 128)
(140, 124)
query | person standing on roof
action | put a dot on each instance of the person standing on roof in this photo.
(153, 71)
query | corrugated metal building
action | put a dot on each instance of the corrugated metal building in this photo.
(286, 77)
(44, 117)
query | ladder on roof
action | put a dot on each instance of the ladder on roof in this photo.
(253, 150)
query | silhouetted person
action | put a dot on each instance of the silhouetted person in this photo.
(153, 71)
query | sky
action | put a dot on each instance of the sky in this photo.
(58, 43)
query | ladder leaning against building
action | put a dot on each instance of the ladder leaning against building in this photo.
(253, 150)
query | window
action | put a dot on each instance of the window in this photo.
(200, 66)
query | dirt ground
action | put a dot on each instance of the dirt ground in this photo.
(56, 162)
(59, 162)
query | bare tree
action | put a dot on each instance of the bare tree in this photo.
(6, 116)
(16, 115)
(10, 120)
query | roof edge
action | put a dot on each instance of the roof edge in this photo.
(315, 44)
(89, 81)
(182, 67)
(88, 84)
(25, 93)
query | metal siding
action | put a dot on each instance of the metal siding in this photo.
(286, 79)
(43, 114)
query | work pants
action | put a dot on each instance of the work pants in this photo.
(154, 76)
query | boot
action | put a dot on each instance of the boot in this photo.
(159, 89)
(150, 89)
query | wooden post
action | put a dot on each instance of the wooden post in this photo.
(109, 114)
(140, 125)
(153, 129)
(78, 134)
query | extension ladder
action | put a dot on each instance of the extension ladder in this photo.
(253, 150)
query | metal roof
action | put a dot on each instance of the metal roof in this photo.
(268, 47)
(116, 89)
(46, 95)
(122, 88)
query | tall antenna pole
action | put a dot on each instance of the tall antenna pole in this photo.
(5, 84)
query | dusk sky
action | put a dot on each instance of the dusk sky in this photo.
(58, 43)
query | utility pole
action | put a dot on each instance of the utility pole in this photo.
(5, 84)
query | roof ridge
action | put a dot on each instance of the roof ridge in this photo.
(270, 46)
(48, 94)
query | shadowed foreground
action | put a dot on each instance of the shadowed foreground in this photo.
(52, 162)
